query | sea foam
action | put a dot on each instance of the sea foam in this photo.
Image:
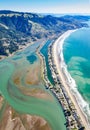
(84, 106)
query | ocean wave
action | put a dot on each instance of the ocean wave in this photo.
(84, 106)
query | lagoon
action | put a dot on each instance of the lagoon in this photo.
(16, 85)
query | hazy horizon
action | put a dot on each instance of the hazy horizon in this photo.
(48, 6)
(54, 14)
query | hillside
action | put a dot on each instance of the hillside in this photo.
(18, 28)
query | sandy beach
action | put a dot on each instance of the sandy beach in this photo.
(57, 48)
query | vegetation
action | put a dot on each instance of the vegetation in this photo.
(21, 28)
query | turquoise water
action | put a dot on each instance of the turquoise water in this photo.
(76, 51)
(50, 110)
(44, 51)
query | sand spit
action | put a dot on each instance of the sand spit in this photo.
(58, 60)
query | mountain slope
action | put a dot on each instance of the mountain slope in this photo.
(18, 28)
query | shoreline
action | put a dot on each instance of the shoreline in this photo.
(50, 119)
(62, 70)
(21, 48)
(2, 57)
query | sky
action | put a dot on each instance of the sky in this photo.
(47, 6)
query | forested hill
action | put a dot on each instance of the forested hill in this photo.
(18, 28)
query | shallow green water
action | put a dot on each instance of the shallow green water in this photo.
(49, 110)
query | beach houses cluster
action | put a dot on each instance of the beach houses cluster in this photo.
(73, 121)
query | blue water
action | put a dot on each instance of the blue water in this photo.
(32, 58)
(76, 51)
(44, 51)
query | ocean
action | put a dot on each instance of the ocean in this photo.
(76, 52)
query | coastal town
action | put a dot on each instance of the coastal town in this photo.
(73, 120)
